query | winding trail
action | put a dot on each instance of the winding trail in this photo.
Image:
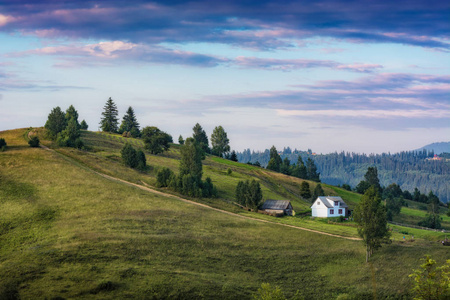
(153, 191)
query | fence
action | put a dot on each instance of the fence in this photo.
(417, 227)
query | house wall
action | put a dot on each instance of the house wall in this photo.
(322, 211)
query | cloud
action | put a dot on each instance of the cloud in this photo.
(254, 24)
(378, 100)
(106, 53)
(294, 64)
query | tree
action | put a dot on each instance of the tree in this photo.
(201, 138)
(371, 177)
(180, 140)
(347, 187)
(370, 214)
(318, 191)
(285, 166)
(191, 160)
(362, 187)
(275, 160)
(109, 121)
(155, 140)
(430, 281)
(233, 156)
(70, 136)
(56, 122)
(71, 113)
(300, 169)
(219, 141)
(34, 142)
(432, 219)
(305, 191)
(141, 160)
(163, 177)
(249, 194)
(311, 170)
(130, 123)
(84, 125)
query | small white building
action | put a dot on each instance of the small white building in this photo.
(329, 206)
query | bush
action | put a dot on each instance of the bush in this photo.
(2, 144)
(163, 177)
(129, 156)
(34, 142)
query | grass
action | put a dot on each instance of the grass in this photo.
(68, 232)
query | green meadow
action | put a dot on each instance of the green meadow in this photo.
(68, 233)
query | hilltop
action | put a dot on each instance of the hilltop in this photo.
(437, 148)
(69, 231)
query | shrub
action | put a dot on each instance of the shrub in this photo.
(129, 156)
(34, 142)
(2, 144)
(163, 177)
(229, 171)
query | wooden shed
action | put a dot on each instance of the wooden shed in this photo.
(278, 207)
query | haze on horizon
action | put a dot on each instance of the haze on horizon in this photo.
(357, 76)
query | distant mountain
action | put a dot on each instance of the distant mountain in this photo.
(438, 148)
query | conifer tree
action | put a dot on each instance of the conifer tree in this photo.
(305, 191)
(130, 123)
(109, 121)
(201, 138)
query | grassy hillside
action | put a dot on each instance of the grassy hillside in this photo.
(67, 232)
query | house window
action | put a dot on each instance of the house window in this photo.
(331, 211)
(340, 211)
(318, 202)
(336, 203)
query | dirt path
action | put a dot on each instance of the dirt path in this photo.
(153, 191)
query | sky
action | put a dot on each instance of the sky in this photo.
(360, 76)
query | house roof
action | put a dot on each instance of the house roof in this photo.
(276, 204)
(328, 201)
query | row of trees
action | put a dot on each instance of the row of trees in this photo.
(408, 169)
(219, 141)
(110, 120)
(300, 170)
(64, 127)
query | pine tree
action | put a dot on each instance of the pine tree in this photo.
(130, 123)
(305, 191)
(201, 138)
(318, 191)
(233, 156)
(84, 125)
(311, 170)
(109, 121)
(71, 113)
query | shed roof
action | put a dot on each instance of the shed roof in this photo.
(276, 204)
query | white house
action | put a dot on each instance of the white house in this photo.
(329, 206)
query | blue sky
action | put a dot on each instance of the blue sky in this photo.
(362, 76)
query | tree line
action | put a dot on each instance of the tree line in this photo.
(409, 169)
